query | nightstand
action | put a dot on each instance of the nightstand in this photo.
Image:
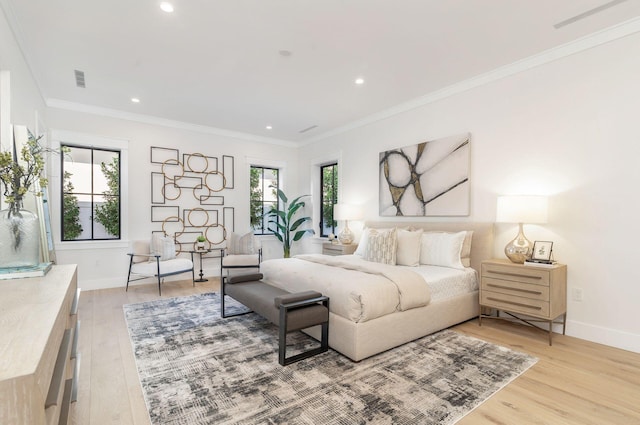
(539, 293)
(329, 248)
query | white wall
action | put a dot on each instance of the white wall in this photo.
(24, 95)
(104, 264)
(567, 129)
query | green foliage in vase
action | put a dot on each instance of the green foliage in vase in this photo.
(281, 221)
(17, 177)
(71, 227)
(108, 214)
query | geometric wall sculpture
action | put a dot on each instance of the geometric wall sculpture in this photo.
(187, 196)
(427, 179)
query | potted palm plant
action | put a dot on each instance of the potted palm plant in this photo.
(282, 224)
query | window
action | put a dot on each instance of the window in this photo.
(328, 197)
(90, 205)
(264, 183)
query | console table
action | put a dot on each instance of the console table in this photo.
(38, 344)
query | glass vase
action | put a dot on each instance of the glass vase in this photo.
(19, 237)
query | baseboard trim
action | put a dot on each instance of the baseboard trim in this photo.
(121, 281)
(607, 336)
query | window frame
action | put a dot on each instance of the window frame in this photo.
(59, 137)
(92, 194)
(264, 229)
(335, 175)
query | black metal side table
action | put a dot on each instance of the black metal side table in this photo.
(200, 252)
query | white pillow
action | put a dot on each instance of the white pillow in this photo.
(241, 245)
(442, 249)
(164, 246)
(465, 254)
(408, 250)
(381, 246)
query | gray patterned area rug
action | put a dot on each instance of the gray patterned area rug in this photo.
(196, 368)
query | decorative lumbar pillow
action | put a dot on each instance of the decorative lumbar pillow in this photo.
(361, 250)
(408, 250)
(442, 249)
(241, 245)
(164, 246)
(381, 246)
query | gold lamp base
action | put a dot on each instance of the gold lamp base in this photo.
(346, 236)
(519, 249)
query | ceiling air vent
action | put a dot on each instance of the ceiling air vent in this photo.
(308, 129)
(79, 78)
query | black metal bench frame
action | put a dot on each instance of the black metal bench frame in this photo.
(283, 328)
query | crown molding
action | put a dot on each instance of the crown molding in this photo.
(153, 120)
(590, 41)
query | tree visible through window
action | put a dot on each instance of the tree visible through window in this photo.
(329, 197)
(263, 185)
(90, 194)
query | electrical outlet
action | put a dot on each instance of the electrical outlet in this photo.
(576, 294)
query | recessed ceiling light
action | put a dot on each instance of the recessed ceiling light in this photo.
(359, 81)
(166, 6)
(135, 100)
(268, 127)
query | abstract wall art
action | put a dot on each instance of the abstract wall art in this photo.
(427, 179)
(187, 197)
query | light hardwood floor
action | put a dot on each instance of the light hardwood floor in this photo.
(574, 381)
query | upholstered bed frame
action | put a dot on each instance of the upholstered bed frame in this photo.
(364, 339)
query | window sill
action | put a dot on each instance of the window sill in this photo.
(84, 245)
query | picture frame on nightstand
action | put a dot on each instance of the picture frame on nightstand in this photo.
(542, 251)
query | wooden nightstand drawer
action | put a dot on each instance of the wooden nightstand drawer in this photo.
(517, 304)
(540, 293)
(519, 289)
(338, 249)
(507, 272)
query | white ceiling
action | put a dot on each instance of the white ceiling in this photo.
(216, 63)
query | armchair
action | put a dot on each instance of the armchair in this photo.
(241, 252)
(145, 263)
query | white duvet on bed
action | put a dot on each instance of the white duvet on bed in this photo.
(362, 290)
(445, 282)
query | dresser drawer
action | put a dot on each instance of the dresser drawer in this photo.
(519, 289)
(514, 303)
(507, 272)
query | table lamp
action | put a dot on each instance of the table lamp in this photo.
(521, 209)
(346, 212)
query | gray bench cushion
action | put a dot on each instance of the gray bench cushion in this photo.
(258, 296)
(248, 277)
(295, 297)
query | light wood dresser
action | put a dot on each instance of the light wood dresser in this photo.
(528, 294)
(329, 248)
(38, 347)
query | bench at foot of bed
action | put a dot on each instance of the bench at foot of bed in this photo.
(290, 311)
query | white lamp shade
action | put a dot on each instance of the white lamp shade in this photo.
(522, 209)
(346, 212)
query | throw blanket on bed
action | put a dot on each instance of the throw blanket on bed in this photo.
(359, 290)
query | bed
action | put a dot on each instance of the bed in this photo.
(377, 306)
